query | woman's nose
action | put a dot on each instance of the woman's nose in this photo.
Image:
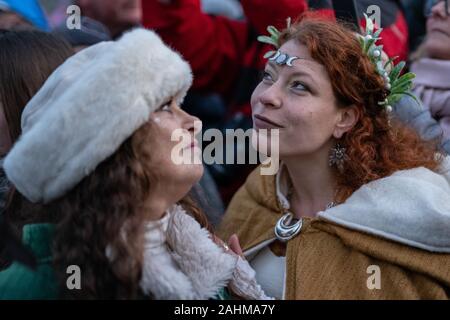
(270, 97)
(438, 10)
(191, 123)
(196, 126)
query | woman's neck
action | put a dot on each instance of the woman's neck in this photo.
(313, 184)
(155, 209)
(160, 200)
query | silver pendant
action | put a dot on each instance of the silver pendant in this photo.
(287, 227)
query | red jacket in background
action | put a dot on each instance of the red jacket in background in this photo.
(221, 51)
(219, 48)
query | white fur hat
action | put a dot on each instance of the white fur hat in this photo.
(88, 107)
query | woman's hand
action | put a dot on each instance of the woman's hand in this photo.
(234, 244)
(243, 285)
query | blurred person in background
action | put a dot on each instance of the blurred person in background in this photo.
(28, 57)
(20, 14)
(90, 33)
(228, 8)
(415, 17)
(118, 15)
(431, 63)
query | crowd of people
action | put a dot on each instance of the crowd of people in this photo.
(88, 177)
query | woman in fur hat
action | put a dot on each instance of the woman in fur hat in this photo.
(110, 215)
(360, 208)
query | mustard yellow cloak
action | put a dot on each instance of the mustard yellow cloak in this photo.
(333, 259)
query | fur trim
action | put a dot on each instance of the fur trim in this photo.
(88, 107)
(196, 267)
(208, 266)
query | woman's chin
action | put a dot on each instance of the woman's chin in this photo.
(437, 49)
(194, 172)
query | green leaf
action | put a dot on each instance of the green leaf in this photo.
(396, 71)
(269, 54)
(401, 90)
(369, 43)
(405, 81)
(412, 96)
(369, 24)
(268, 40)
(393, 98)
(377, 33)
(408, 76)
(400, 82)
(273, 32)
(389, 62)
(361, 41)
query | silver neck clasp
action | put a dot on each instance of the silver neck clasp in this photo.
(287, 227)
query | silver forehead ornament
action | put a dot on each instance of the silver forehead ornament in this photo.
(281, 58)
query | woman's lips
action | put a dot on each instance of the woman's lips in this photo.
(438, 30)
(261, 122)
(192, 145)
(438, 25)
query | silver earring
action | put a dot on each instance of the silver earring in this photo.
(337, 157)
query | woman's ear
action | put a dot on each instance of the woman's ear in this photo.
(347, 119)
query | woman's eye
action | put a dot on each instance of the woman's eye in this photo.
(299, 86)
(267, 77)
(166, 107)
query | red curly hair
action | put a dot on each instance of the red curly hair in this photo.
(375, 147)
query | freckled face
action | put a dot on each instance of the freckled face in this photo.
(297, 100)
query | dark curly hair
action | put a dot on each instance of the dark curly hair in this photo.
(100, 223)
(375, 147)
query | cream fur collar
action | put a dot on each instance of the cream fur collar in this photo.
(181, 261)
(410, 207)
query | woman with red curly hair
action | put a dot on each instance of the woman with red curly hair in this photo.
(360, 207)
